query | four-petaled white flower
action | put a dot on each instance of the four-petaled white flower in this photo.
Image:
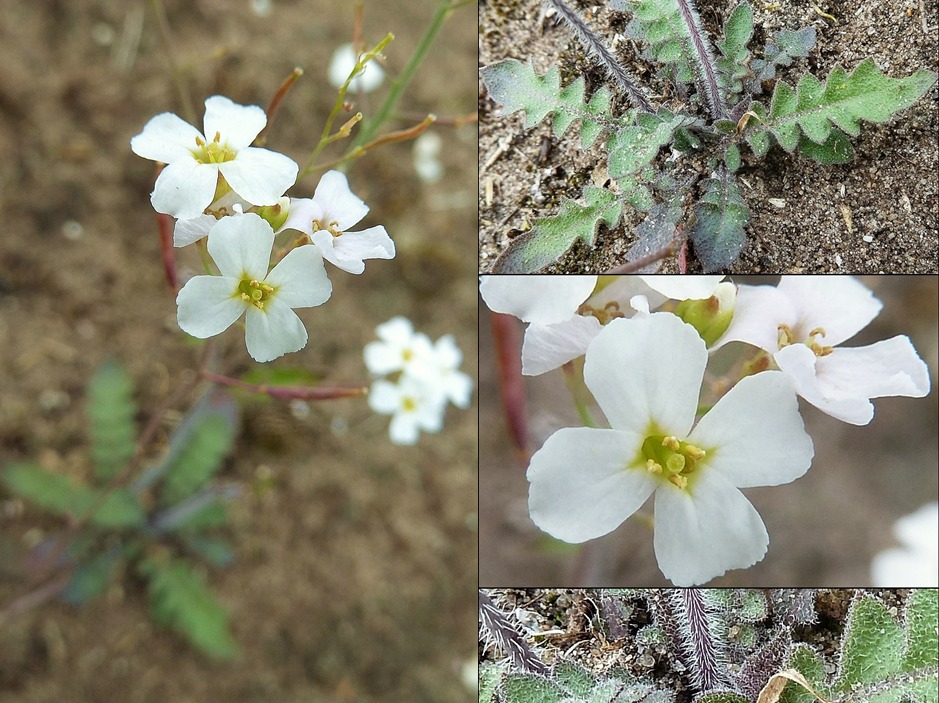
(645, 373)
(802, 321)
(567, 312)
(328, 215)
(196, 163)
(241, 247)
(399, 348)
(413, 405)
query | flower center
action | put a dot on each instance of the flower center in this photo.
(213, 152)
(670, 458)
(332, 227)
(787, 337)
(255, 293)
(609, 312)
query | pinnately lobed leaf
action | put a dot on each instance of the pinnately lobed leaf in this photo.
(552, 236)
(843, 101)
(111, 413)
(516, 86)
(718, 234)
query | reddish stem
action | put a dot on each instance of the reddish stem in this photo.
(505, 331)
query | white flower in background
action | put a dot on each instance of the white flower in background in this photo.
(567, 312)
(916, 563)
(241, 247)
(400, 348)
(444, 374)
(428, 376)
(341, 65)
(413, 405)
(195, 163)
(645, 373)
(801, 322)
(426, 156)
(328, 215)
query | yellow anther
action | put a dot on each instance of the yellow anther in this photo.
(679, 481)
(200, 142)
(695, 453)
(245, 297)
(671, 442)
(267, 288)
(785, 337)
(817, 331)
(652, 467)
(218, 137)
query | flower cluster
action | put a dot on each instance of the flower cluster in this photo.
(219, 186)
(423, 376)
(645, 370)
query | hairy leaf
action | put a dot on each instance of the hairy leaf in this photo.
(111, 412)
(788, 44)
(881, 661)
(516, 86)
(845, 99)
(631, 150)
(552, 236)
(180, 600)
(718, 235)
(653, 234)
(489, 677)
(675, 36)
(733, 65)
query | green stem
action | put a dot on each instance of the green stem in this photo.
(400, 82)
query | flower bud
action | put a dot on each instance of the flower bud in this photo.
(275, 215)
(712, 316)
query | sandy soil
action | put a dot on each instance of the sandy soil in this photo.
(824, 528)
(355, 558)
(890, 191)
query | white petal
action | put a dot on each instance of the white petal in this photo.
(384, 397)
(619, 290)
(581, 485)
(889, 367)
(684, 287)
(799, 363)
(646, 370)
(702, 534)
(841, 305)
(274, 331)
(446, 353)
(458, 387)
(238, 125)
(338, 203)
(241, 246)
(758, 312)
(403, 429)
(301, 215)
(260, 176)
(300, 278)
(184, 189)
(755, 435)
(166, 138)
(208, 305)
(192, 230)
(348, 251)
(547, 347)
(540, 299)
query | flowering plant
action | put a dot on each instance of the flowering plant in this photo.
(679, 429)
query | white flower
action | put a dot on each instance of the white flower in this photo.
(645, 373)
(443, 372)
(414, 406)
(328, 214)
(916, 563)
(241, 247)
(567, 312)
(341, 64)
(195, 163)
(802, 321)
(400, 348)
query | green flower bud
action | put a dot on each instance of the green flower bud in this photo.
(710, 317)
(275, 215)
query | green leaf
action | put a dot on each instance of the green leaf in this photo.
(718, 233)
(530, 688)
(59, 495)
(516, 86)
(208, 443)
(552, 236)
(721, 697)
(180, 600)
(732, 158)
(737, 31)
(866, 94)
(90, 578)
(788, 44)
(490, 675)
(111, 412)
(836, 150)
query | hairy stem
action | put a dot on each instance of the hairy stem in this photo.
(593, 44)
(704, 60)
(507, 638)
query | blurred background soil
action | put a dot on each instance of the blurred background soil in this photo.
(877, 214)
(355, 558)
(824, 528)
